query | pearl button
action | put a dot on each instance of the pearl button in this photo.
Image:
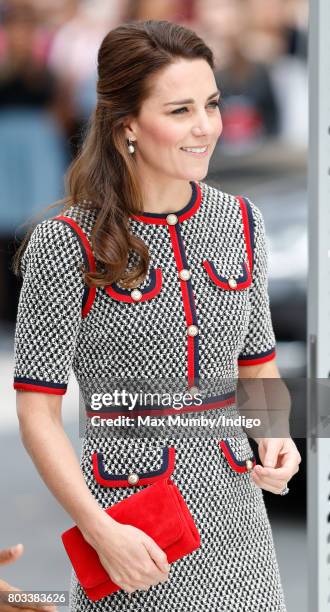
(249, 464)
(172, 219)
(193, 390)
(136, 294)
(185, 274)
(192, 330)
(232, 282)
(133, 478)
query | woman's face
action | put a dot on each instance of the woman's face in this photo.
(181, 112)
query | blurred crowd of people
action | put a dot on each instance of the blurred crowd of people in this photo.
(47, 89)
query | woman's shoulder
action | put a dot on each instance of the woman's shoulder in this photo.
(229, 203)
(60, 240)
(81, 215)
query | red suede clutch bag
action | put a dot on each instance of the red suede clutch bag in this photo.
(159, 510)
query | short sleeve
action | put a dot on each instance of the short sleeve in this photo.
(259, 343)
(49, 311)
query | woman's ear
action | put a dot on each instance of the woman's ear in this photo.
(129, 128)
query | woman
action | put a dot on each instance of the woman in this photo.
(175, 287)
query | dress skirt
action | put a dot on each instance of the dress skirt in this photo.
(235, 569)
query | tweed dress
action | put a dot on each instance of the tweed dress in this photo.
(201, 310)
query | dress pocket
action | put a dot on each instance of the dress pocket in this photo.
(135, 477)
(138, 294)
(230, 282)
(238, 453)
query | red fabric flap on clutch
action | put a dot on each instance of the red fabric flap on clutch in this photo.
(156, 510)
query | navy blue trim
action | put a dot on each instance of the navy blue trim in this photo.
(241, 279)
(240, 462)
(41, 383)
(219, 398)
(182, 211)
(251, 225)
(150, 407)
(85, 258)
(256, 355)
(191, 302)
(186, 266)
(107, 476)
(84, 297)
(147, 289)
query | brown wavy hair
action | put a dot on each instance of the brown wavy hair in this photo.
(104, 173)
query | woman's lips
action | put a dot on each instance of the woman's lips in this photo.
(197, 153)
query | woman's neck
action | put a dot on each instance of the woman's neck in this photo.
(166, 198)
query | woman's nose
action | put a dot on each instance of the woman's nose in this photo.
(202, 126)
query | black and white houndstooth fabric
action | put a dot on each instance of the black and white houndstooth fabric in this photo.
(202, 310)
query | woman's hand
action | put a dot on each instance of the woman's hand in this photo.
(280, 461)
(132, 559)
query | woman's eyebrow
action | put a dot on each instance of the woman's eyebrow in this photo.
(191, 101)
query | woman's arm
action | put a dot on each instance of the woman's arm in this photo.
(131, 558)
(46, 442)
(277, 451)
(268, 369)
(266, 399)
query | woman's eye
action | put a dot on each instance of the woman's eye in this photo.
(214, 104)
(177, 111)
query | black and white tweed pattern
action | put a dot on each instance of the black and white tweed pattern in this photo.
(235, 570)
(107, 341)
(49, 309)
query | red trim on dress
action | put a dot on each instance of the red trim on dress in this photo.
(149, 219)
(90, 258)
(194, 208)
(186, 304)
(161, 219)
(143, 480)
(39, 388)
(165, 411)
(122, 297)
(226, 286)
(248, 362)
(181, 217)
(236, 466)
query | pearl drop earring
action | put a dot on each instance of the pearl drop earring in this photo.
(131, 147)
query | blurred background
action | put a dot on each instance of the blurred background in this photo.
(47, 91)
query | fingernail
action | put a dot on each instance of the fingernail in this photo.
(15, 548)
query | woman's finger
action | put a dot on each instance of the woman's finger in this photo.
(274, 473)
(272, 481)
(9, 555)
(269, 486)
